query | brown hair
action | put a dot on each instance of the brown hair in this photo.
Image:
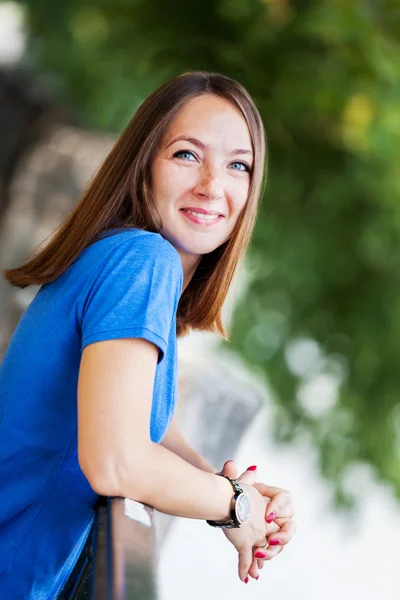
(119, 197)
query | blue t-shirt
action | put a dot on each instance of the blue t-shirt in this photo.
(126, 284)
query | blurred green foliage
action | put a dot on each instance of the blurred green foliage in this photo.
(321, 317)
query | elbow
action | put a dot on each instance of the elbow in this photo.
(102, 483)
(116, 478)
(100, 479)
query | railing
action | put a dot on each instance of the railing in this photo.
(123, 564)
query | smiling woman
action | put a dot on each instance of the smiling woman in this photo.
(88, 381)
(218, 115)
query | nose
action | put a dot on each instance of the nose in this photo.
(209, 184)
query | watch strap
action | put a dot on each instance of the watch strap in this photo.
(232, 522)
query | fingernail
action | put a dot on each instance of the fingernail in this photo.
(253, 468)
(257, 577)
(270, 517)
(274, 542)
(246, 580)
(228, 461)
(259, 554)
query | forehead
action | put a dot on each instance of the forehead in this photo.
(212, 120)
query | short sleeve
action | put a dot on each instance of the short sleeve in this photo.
(135, 292)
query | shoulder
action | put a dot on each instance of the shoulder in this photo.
(130, 239)
(143, 250)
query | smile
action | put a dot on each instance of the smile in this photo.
(200, 218)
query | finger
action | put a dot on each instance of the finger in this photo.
(230, 469)
(270, 552)
(284, 536)
(286, 512)
(270, 490)
(274, 526)
(279, 506)
(249, 476)
(245, 561)
(259, 554)
(281, 521)
(223, 468)
(279, 501)
(253, 571)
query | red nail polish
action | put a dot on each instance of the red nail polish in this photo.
(257, 577)
(274, 542)
(259, 554)
(270, 517)
(246, 580)
(253, 468)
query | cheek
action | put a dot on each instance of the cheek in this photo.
(169, 181)
(239, 193)
(159, 180)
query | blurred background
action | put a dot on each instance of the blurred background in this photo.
(315, 319)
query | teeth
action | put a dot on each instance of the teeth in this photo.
(202, 216)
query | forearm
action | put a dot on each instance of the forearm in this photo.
(171, 485)
(176, 443)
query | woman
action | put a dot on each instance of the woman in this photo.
(88, 382)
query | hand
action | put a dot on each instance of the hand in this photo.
(253, 532)
(231, 470)
(279, 509)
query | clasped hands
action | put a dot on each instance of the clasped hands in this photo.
(277, 526)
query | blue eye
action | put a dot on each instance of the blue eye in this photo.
(180, 152)
(242, 164)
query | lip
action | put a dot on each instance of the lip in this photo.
(203, 211)
(201, 221)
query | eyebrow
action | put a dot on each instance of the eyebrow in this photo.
(203, 146)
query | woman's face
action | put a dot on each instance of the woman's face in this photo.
(203, 164)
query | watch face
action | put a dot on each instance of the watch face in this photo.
(242, 508)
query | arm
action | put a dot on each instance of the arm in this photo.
(115, 452)
(176, 443)
(117, 456)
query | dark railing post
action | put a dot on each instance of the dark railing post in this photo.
(124, 555)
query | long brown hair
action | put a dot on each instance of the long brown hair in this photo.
(119, 197)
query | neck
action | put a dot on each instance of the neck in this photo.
(190, 263)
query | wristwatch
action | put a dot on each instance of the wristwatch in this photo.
(240, 508)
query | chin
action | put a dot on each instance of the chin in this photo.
(190, 243)
(200, 247)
